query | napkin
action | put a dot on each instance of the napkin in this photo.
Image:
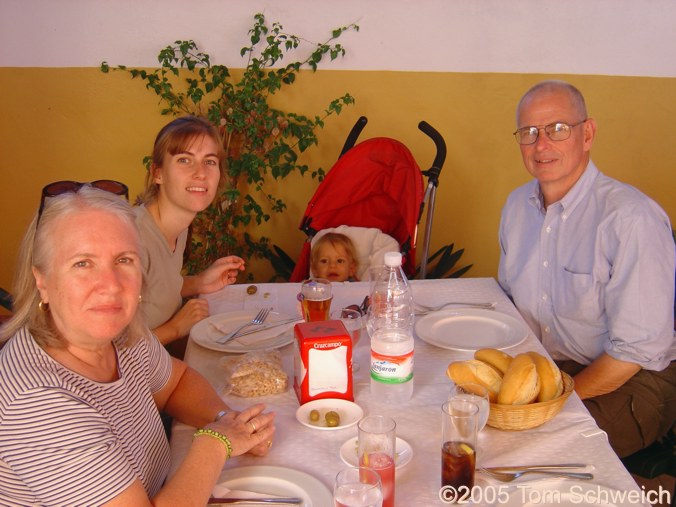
(262, 334)
(223, 492)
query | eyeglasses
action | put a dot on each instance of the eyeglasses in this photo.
(63, 187)
(557, 131)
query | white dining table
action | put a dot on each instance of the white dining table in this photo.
(570, 437)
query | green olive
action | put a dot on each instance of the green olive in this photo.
(332, 419)
(314, 415)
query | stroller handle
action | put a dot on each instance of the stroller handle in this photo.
(353, 135)
(440, 144)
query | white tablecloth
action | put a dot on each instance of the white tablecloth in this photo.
(572, 436)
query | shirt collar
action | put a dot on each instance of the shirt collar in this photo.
(581, 188)
(574, 196)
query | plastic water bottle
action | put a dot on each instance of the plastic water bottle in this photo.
(390, 324)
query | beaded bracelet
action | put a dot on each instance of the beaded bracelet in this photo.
(215, 434)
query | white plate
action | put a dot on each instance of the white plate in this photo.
(349, 413)
(567, 493)
(207, 331)
(348, 453)
(470, 329)
(279, 481)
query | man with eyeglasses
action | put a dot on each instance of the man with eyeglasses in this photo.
(589, 262)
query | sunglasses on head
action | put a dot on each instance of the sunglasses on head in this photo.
(63, 187)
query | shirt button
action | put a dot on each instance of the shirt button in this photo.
(564, 216)
(548, 229)
(545, 264)
(546, 329)
(544, 297)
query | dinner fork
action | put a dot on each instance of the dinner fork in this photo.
(257, 320)
(511, 476)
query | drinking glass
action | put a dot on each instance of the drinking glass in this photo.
(352, 321)
(316, 299)
(376, 450)
(357, 487)
(459, 422)
(476, 393)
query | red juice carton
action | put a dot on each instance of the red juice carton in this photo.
(322, 361)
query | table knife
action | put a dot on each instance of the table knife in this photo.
(517, 468)
(255, 501)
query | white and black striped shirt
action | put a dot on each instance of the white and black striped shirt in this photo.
(66, 440)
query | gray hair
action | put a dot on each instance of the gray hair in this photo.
(36, 252)
(552, 86)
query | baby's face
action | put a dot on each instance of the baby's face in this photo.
(333, 263)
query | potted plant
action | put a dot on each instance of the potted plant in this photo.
(260, 141)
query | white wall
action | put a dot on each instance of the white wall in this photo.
(611, 37)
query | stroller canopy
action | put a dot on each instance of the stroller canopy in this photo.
(377, 183)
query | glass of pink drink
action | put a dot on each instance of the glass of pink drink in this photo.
(357, 487)
(377, 450)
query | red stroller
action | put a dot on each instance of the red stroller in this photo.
(375, 184)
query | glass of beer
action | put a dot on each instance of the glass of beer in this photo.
(459, 423)
(316, 299)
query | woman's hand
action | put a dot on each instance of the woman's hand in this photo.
(185, 318)
(222, 272)
(250, 430)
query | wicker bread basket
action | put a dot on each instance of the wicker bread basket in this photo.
(523, 417)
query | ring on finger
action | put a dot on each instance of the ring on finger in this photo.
(269, 443)
(253, 426)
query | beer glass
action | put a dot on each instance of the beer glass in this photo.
(316, 299)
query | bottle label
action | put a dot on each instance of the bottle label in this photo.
(391, 369)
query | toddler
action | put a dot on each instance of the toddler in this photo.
(334, 257)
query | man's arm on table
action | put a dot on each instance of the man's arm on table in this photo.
(603, 376)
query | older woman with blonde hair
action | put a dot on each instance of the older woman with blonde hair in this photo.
(83, 381)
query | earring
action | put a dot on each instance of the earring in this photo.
(44, 307)
(140, 298)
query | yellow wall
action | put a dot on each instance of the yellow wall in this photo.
(81, 124)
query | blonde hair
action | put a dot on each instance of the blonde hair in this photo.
(176, 137)
(334, 239)
(36, 251)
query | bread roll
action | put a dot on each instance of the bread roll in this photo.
(551, 383)
(521, 383)
(496, 358)
(476, 372)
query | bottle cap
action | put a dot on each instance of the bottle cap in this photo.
(392, 259)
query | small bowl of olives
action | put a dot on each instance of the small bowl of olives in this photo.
(329, 414)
